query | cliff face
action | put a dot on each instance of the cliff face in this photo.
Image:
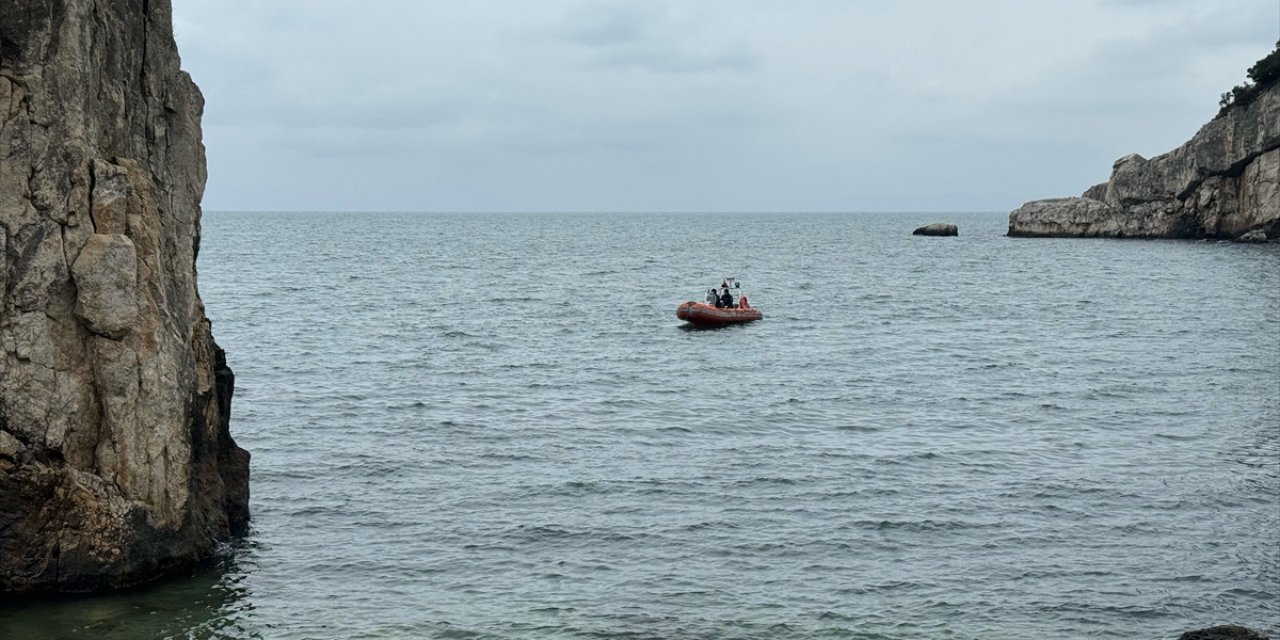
(1223, 183)
(116, 465)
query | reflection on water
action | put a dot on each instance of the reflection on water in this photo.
(211, 603)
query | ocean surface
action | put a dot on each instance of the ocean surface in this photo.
(494, 427)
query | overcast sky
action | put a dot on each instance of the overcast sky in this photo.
(699, 105)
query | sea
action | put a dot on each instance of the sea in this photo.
(493, 426)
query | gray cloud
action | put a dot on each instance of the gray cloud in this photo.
(654, 37)
(607, 24)
(717, 104)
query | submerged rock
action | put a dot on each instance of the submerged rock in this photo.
(1257, 236)
(1223, 632)
(1223, 183)
(116, 463)
(937, 229)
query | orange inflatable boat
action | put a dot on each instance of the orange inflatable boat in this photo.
(704, 315)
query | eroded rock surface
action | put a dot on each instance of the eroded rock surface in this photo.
(1223, 183)
(116, 464)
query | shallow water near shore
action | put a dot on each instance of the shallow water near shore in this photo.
(493, 426)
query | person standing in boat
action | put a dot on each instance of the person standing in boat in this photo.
(712, 297)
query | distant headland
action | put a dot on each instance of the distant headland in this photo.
(1224, 183)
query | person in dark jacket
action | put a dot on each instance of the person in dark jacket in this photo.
(726, 299)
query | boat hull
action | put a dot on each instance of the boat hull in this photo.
(705, 315)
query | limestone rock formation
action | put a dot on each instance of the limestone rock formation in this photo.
(1223, 183)
(937, 229)
(116, 464)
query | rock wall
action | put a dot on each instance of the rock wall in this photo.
(116, 465)
(1223, 183)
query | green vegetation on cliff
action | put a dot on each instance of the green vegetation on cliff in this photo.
(1262, 75)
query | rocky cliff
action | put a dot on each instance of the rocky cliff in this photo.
(1223, 183)
(116, 465)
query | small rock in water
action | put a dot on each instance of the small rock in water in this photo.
(1257, 236)
(1223, 632)
(937, 229)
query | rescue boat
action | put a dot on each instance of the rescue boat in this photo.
(700, 314)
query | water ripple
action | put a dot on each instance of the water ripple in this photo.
(493, 427)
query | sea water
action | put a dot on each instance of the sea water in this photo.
(494, 426)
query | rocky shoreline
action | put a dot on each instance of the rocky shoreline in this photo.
(116, 463)
(1224, 183)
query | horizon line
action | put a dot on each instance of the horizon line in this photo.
(610, 212)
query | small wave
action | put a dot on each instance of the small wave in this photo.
(767, 481)
(552, 610)
(857, 428)
(916, 526)
(1177, 437)
(449, 632)
(675, 429)
(700, 526)
(552, 533)
(313, 510)
(583, 486)
(880, 587)
(910, 457)
(418, 404)
(508, 457)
